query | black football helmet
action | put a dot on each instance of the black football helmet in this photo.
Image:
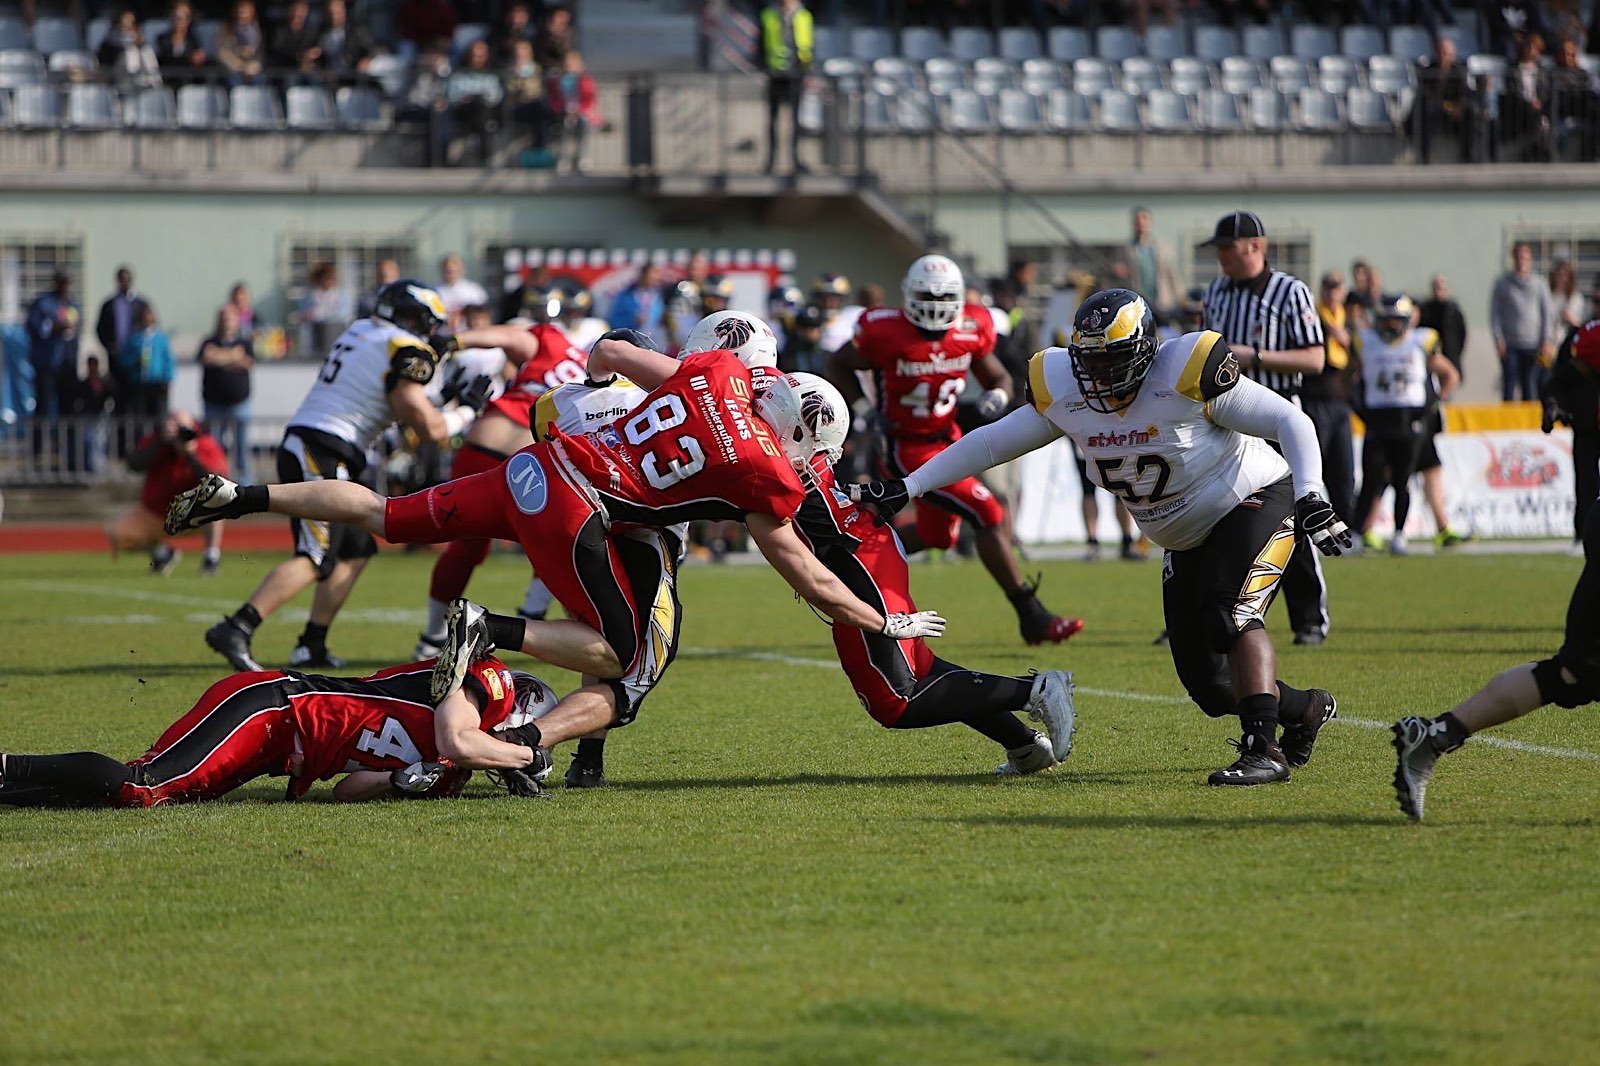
(412, 306)
(1113, 346)
(715, 294)
(1392, 316)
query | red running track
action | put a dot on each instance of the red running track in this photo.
(27, 537)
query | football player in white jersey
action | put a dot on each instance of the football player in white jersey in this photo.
(1176, 432)
(377, 372)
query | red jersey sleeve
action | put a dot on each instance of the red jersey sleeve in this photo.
(500, 697)
(871, 336)
(987, 337)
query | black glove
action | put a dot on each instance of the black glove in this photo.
(885, 499)
(524, 783)
(444, 342)
(414, 781)
(475, 394)
(526, 734)
(1319, 523)
(636, 337)
(1552, 415)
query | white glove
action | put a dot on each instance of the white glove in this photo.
(912, 626)
(992, 404)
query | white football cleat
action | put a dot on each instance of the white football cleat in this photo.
(1028, 759)
(1050, 703)
(466, 641)
(207, 502)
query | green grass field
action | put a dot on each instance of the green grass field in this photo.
(776, 879)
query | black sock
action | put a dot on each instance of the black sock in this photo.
(1454, 735)
(1006, 730)
(1259, 716)
(314, 637)
(246, 618)
(506, 630)
(592, 751)
(984, 702)
(85, 774)
(1293, 703)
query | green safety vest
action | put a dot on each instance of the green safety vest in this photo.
(775, 51)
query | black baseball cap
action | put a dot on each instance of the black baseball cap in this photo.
(1237, 226)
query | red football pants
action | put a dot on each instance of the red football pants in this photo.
(940, 512)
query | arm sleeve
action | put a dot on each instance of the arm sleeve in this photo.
(1257, 410)
(1017, 434)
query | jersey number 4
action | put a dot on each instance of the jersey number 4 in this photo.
(665, 413)
(1128, 490)
(391, 742)
(949, 395)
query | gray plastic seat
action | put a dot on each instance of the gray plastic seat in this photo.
(915, 111)
(1019, 111)
(943, 75)
(308, 107)
(827, 43)
(1119, 112)
(254, 107)
(52, 35)
(1289, 74)
(990, 68)
(1361, 42)
(921, 43)
(876, 116)
(1068, 43)
(13, 33)
(1410, 42)
(36, 106)
(1043, 71)
(871, 42)
(968, 112)
(390, 71)
(19, 67)
(1268, 109)
(95, 32)
(201, 107)
(970, 43)
(1167, 112)
(466, 35)
(1115, 43)
(150, 109)
(5, 109)
(1464, 35)
(1318, 111)
(1337, 74)
(1067, 110)
(1018, 43)
(1488, 70)
(1367, 110)
(900, 71)
(1221, 111)
(1165, 42)
(808, 114)
(68, 61)
(844, 68)
(1212, 43)
(1091, 76)
(153, 30)
(988, 86)
(1239, 74)
(1140, 75)
(1188, 75)
(1263, 42)
(1311, 41)
(91, 107)
(359, 108)
(1388, 74)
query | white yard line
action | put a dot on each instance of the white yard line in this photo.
(85, 588)
(1147, 697)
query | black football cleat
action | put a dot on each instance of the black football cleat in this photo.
(586, 773)
(229, 641)
(304, 656)
(1300, 737)
(1259, 763)
(1036, 623)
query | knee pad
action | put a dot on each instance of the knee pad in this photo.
(1554, 687)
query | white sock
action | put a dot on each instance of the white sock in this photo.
(435, 626)
(538, 599)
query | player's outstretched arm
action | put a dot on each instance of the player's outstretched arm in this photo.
(518, 344)
(1014, 436)
(362, 785)
(460, 738)
(615, 353)
(817, 586)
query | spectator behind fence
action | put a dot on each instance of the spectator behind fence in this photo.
(1445, 103)
(574, 104)
(519, 27)
(1524, 125)
(556, 37)
(525, 102)
(1148, 266)
(92, 401)
(125, 54)
(1522, 322)
(240, 44)
(1572, 395)
(324, 310)
(1574, 106)
(346, 47)
(474, 93)
(457, 290)
(54, 319)
(293, 44)
(179, 50)
(1444, 316)
(243, 309)
(117, 320)
(1365, 289)
(145, 366)
(640, 306)
(784, 42)
(388, 272)
(1511, 23)
(425, 100)
(226, 360)
(1568, 305)
(173, 459)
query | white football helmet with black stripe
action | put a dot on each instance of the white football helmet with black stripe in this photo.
(739, 332)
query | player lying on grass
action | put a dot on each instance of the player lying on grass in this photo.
(702, 445)
(1176, 431)
(382, 732)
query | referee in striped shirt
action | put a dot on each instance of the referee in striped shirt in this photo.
(1270, 320)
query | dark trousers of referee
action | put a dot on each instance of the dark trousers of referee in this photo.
(1305, 593)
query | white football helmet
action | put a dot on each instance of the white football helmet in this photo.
(827, 415)
(743, 334)
(778, 405)
(933, 293)
(533, 700)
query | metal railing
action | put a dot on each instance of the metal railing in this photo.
(90, 449)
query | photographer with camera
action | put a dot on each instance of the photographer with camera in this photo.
(173, 460)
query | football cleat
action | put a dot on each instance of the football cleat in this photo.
(210, 501)
(466, 641)
(1259, 763)
(586, 773)
(210, 565)
(1050, 703)
(233, 644)
(1373, 542)
(1028, 759)
(427, 647)
(304, 656)
(1054, 631)
(1398, 545)
(1300, 737)
(165, 562)
(1035, 622)
(1414, 762)
(1449, 537)
(1310, 638)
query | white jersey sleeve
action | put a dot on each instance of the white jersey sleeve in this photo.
(350, 397)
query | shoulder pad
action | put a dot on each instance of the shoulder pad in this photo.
(1211, 368)
(1429, 338)
(410, 360)
(879, 314)
(1037, 389)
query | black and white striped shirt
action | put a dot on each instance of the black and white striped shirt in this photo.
(1273, 311)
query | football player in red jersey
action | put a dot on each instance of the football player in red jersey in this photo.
(919, 356)
(547, 359)
(701, 445)
(383, 732)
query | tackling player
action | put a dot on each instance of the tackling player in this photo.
(383, 732)
(1176, 432)
(919, 356)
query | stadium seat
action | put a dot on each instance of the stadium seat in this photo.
(154, 30)
(1289, 75)
(1119, 112)
(1067, 109)
(1240, 74)
(827, 43)
(1269, 109)
(1165, 42)
(1091, 77)
(13, 34)
(205, 31)
(72, 62)
(1361, 42)
(5, 108)
(390, 71)
(1318, 111)
(1188, 75)
(1336, 74)
(1489, 70)
(970, 43)
(915, 111)
(920, 43)
(943, 75)
(1141, 74)
(875, 114)
(1019, 111)
(1263, 42)
(467, 34)
(201, 107)
(309, 107)
(36, 106)
(991, 69)
(1388, 74)
(808, 114)
(900, 71)
(1410, 42)
(95, 32)
(1212, 43)
(1068, 43)
(1464, 35)
(1367, 110)
(844, 68)
(150, 109)
(1167, 112)
(254, 107)
(1115, 43)
(871, 42)
(985, 85)
(968, 112)
(1311, 41)
(1220, 111)
(1018, 43)
(52, 35)
(1042, 70)
(91, 107)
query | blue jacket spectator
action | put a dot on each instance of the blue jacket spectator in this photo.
(53, 322)
(641, 306)
(145, 365)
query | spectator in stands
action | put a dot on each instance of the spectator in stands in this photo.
(145, 365)
(1430, 14)
(241, 47)
(425, 100)
(1444, 316)
(243, 309)
(1522, 321)
(1325, 398)
(173, 459)
(1365, 292)
(1047, 13)
(1511, 24)
(474, 93)
(784, 40)
(525, 101)
(324, 310)
(1148, 266)
(457, 290)
(1574, 106)
(116, 320)
(1524, 106)
(126, 56)
(574, 103)
(1569, 307)
(1233, 12)
(226, 360)
(424, 23)
(802, 348)
(388, 272)
(640, 305)
(293, 45)
(1445, 103)
(345, 48)
(519, 27)
(179, 50)
(555, 39)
